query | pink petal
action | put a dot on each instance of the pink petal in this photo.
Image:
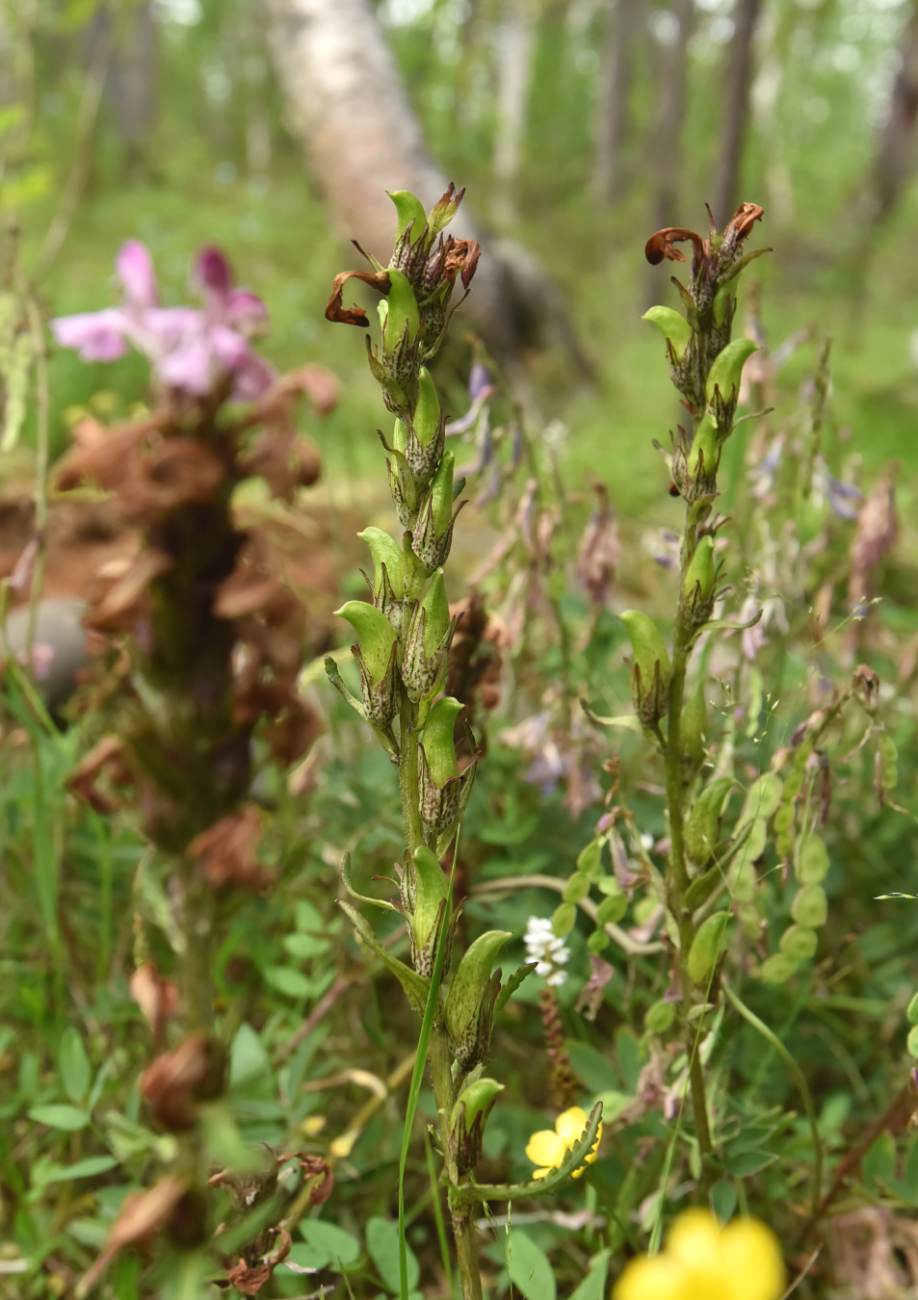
(96, 335)
(229, 348)
(134, 266)
(213, 272)
(189, 367)
(246, 312)
(167, 326)
(254, 377)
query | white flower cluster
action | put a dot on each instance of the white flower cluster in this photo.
(544, 946)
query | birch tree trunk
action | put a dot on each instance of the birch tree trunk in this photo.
(736, 113)
(133, 78)
(894, 163)
(608, 178)
(514, 73)
(347, 107)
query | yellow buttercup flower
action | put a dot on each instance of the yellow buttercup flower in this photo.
(548, 1148)
(741, 1261)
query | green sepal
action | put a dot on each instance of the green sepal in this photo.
(426, 418)
(513, 984)
(408, 208)
(334, 676)
(375, 633)
(470, 1193)
(416, 988)
(672, 325)
(647, 646)
(436, 617)
(702, 570)
(344, 871)
(722, 300)
(402, 311)
(706, 946)
(701, 829)
(438, 742)
(470, 980)
(727, 369)
(385, 551)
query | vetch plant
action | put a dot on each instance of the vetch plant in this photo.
(404, 632)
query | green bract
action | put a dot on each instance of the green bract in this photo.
(426, 419)
(469, 982)
(702, 569)
(386, 552)
(439, 746)
(706, 946)
(402, 311)
(409, 208)
(727, 370)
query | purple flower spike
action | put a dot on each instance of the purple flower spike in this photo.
(480, 382)
(191, 350)
(844, 498)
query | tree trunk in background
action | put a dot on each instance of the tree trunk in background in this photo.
(608, 179)
(133, 77)
(516, 45)
(736, 116)
(894, 163)
(347, 107)
(666, 147)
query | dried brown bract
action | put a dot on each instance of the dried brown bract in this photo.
(177, 1081)
(600, 550)
(142, 1215)
(250, 1278)
(122, 594)
(106, 758)
(336, 312)
(661, 246)
(157, 997)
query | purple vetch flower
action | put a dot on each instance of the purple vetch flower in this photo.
(844, 498)
(191, 349)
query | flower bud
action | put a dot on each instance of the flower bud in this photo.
(652, 671)
(469, 1007)
(425, 894)
(433, 534)
(427, 644)
(443, 211)
(402, 316)
(389, 574)
(425, 436)
(673, 326)
(377, 659)
(702, 827)
(467, 1120)
(444, 792)
(727, 369)
(697, 596)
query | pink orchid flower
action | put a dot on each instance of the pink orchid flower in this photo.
(191, 349)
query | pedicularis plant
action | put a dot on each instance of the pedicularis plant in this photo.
(404, 636)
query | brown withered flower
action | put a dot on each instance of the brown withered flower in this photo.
(105, 759)
(158, 998)
(176, 1082)
(142, 1215)
(226, 851)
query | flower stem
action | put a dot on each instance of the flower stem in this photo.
(463, 1225)
(408, 774)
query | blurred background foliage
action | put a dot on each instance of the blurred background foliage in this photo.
(163, 122)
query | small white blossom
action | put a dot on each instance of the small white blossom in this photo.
(544, 946)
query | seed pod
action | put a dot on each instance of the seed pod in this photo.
(659, 1017)
(911, 1043)
(702, 830)
(812, 861)
(694, 727)
(911, 1012)
(810, 907)
(426, 419)
(563, 919)
(727, 370)
(612, 909)
(799, 942)
(652, 672)
(706, 946)
(576, 888)
(467, 1120)
(777, 969)
(673, 326)
(598, 942)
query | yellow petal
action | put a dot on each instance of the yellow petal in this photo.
(651, 1278)
(751, 1257)
(694, 1240)
(540, 1173)
(545, 1148)
(570, 1125)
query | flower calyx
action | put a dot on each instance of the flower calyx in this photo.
(469, 1007)
(376, 655)
(467, 1120)
(651, 671)
(444, 789)
(424, 888)
(430, 633)
(433, 533)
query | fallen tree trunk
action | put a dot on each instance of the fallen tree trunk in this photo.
(347, 107)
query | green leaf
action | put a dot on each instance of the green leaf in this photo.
(879, 1164)
(626, 720)
(723, 1199)
(73, 1065)
(305, 946)
(248, 1058)
(529, 1268)
(747, 1163)
(87, 1168)
(327, 1246)
(382, 1243)
(706, 946)
(593, 1067)
(224, 1142)
(292, 983)
(911, 1169)
(593, 1286)
(415, 987)
(777, 969)
(66, 1118)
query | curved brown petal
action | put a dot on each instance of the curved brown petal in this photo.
(745, 217)
(336, 311)
(661, 246)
